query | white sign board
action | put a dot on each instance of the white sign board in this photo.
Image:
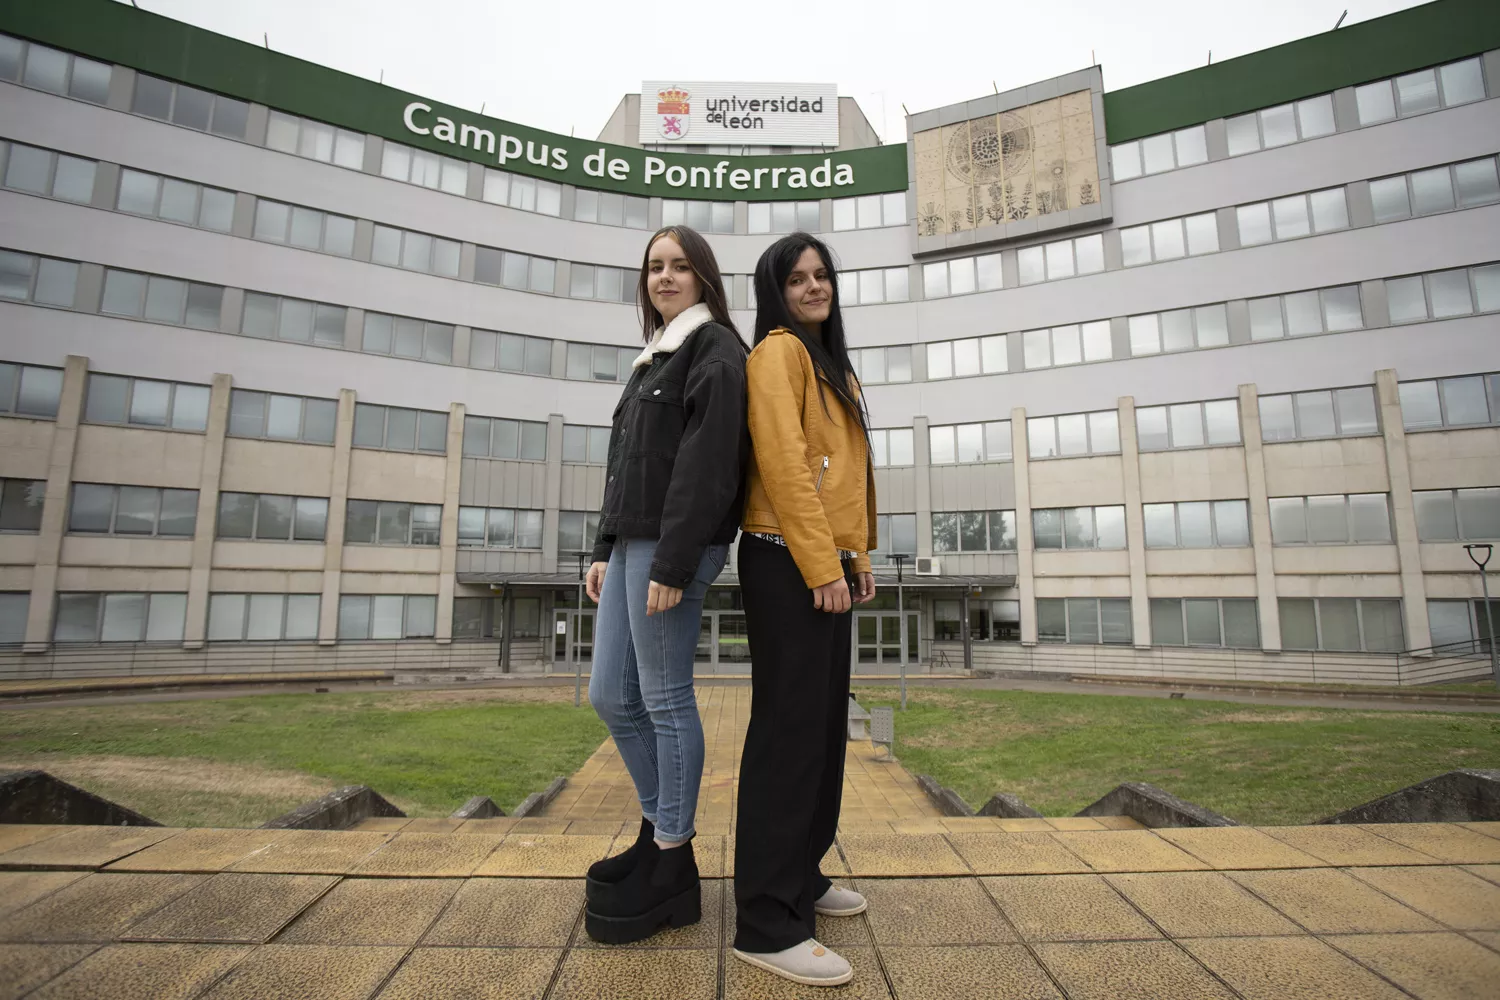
(749, 114)
(562, 626)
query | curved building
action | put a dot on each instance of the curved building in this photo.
(298, 371)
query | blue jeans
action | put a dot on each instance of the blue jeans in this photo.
(642, 683)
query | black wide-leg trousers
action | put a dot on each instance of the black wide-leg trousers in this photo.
(792, 768)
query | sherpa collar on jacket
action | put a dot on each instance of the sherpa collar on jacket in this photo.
(672, 336)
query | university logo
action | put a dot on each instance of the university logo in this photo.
(672, 113)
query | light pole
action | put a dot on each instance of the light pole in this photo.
(578, 639)
(900, 558)
(1475, 550)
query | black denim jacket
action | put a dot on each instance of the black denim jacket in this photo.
(678, 446)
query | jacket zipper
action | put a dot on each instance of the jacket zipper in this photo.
(821, 473)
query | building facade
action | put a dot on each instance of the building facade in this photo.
(299, 371)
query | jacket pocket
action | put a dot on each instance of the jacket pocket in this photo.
(658, 420)
(822, 471)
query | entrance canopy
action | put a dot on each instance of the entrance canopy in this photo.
(883, 578)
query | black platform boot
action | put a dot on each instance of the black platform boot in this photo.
(611, 870)
(661, 890)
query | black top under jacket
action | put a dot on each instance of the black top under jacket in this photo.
(678, 446)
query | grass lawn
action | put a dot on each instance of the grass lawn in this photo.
(1264, 765)
(243, 761)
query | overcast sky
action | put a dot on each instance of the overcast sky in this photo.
(564, 65)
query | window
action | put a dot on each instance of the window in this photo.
(387, 616)
(1453, 624)
(116, 399)
(395, 428)
(1211, 621)
(1067, 345)
(13, 607)
(1450, 402)
(1188, 425)
(387, 522)
(510, 352)
(607, 208)
(864, 288)
(526, 193)
(1438, 189)
(316, 141)
(296, 320)
(41, 171)
(1084, 255)
(1179, 330)
(1289, 218)
(891, 447)
(499, 528)
(704, 216)
(48, 69)
(415, 251)
(308, 228)
(515, 270)
(1170, 239)
(270, 517)
(895, 533)
(431, 170)
(1156, 153)
(1200, 524)
(974, 531)
(790, 216)
(42, 280)
(1336, 519)
(967, 443)
(600, 362)
(175, 201)
(585, 445)
(1078, 527)
(188, 106)
(1280, 125)
(576, 530)
(121, 617)
(608, 284)
(1456, 515)
(1095, 433)
(875, 365)
(1341, 623)
(261, 617)
(281, 418)
(866, 212)
(1086, 620)
(21, 504)
(29, 391)
(1322, 414)
(162, 300)
(407, 338)
(1413, 93)
(1327, 310)
(133, 510)
(1444, 294)
(973, 356)
(486, 437)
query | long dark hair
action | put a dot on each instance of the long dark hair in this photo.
(701, 258)
(830, 351)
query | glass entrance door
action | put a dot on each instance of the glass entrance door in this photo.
(572, 638)
(877, 638)
(732, 642)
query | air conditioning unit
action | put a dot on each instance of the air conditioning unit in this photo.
(928, 567)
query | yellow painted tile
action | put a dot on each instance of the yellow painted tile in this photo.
(935, 911)
(918, 826)
(14, 835)
(545, 856)
(1075, 823)
(24, 967)
(1489, 829)
(1445, 841)
(372, 911)
(540, 824)
(388, 824)
(330, 852)
(1490, 873)
(473, 974)
(497, 824)
(18, 889)
(1327, 901)
(1431, 966)
(1067, 908)
(444, 825)
(1200, 904)
(981, 972)
(232, 908)
(1128, 851)
(970, 824)
(1129, 970)
(509, 913)
(1015, 854)
(199, 851)
(99, 907)
(1449, 895)
(429, 854)
(323, 971)
(85, 847)
(144, 972)
(1289, 968)
(1238, 847)
(682, 974)
(593, 828)
(1343, 845)
(1025, 826)
(900, 854)
(1119, 823)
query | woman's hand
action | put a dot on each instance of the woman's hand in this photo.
(832, 597)
(866, 582)
(660, 597)
(594, 582)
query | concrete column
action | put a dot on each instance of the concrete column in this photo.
(121, 88)
(1269, 611)
(448, 532)
(106, 186)
(1135, 525)
(338, 502)
(195, 628)
(462, 338)
(1403, 513)
(55, 505)
(921, 451)
(552, 493)
(242, 222)
(1025, 550)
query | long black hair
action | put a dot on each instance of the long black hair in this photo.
(829, 350)
(701, 258)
